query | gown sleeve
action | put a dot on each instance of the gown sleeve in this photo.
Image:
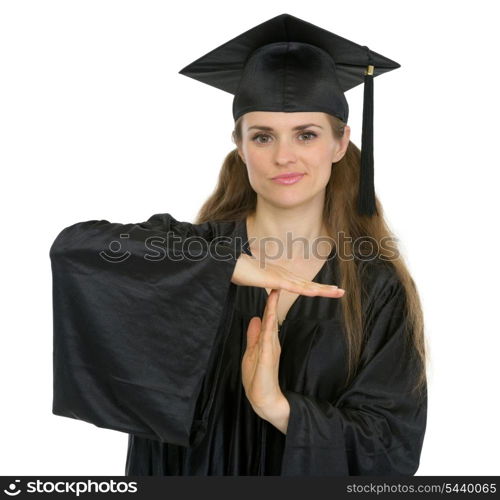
(139, 314)
(376, 426)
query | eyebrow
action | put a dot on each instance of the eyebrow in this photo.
(298, 127)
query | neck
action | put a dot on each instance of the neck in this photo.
(286, 233)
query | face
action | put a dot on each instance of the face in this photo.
(278, 143)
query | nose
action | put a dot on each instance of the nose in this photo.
(284, 152)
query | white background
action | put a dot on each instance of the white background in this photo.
(96, 123)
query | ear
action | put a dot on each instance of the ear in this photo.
(240, 153)
(238, 147)
(343, 144)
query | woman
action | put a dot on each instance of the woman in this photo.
(197, 359)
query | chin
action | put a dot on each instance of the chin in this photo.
(288, 201)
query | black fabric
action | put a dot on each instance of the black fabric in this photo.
(136, 328)
(366, 189)
(288, 64)
(154, 350)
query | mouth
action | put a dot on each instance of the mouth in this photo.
(289, 174)
(290, 178)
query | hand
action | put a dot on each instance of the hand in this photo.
(248, 272)
(260, 363)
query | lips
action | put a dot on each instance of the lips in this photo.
(288, 179)
(289, 175)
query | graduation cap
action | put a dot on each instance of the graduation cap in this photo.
(287, 64)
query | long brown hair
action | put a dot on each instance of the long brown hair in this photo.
(234, 199)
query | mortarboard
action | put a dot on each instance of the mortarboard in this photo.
(287, 64)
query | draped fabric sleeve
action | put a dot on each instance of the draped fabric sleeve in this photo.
(377, 425)
(140, 312)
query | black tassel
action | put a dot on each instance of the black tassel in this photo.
(366, 191)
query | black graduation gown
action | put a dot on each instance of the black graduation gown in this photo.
(151, 345)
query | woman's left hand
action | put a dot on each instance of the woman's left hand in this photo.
(260, 363)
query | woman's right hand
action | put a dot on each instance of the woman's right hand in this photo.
(249, 272)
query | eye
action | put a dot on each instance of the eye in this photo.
(312, 134)
(257, 136)
(309, 135)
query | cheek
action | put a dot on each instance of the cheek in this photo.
(325, 174)
(256, 166)
(256, 156)
(326, 164)
(256, 175)
(326, 153)
(320, 175)
(323, 165)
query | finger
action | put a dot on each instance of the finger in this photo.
(272, 299)
(270, 318)
(311, 288)
(275, 310)
(250, 358)
(270, 311)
